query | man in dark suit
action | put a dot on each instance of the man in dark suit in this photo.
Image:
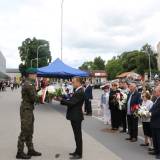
(75, 115)
(155, 123)
(134, 98)
(88, 98)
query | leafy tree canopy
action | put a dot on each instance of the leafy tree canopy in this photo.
(136, 60)
(97, 64)
(28, 53)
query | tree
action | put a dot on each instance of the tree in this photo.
(137, 60)
(113, 68)
(28, 53)
(147, 49)
(97, 64)
(86, 66)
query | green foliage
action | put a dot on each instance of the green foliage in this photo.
(86, 66)
(113, 67)
(97, 64)
(136, 60)
(28, 52)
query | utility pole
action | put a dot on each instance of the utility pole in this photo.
(62, 29)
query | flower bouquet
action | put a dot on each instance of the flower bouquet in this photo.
(48, 93)
(54, 92)
(143, 111)
(122, 100)
(135, 109)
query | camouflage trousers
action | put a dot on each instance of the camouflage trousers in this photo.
(27, 129)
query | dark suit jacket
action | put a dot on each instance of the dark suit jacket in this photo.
(155, 118)
(136, 98)
(75, 104)
(88, 92)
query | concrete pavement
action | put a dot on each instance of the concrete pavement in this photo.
(53, 135)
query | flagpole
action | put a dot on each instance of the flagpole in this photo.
(62, 29)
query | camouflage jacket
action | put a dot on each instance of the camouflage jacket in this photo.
(29, 94)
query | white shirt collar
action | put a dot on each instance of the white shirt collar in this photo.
(78, 88)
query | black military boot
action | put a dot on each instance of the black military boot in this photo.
(34, 153)
(22, 155)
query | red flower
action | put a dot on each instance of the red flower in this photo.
(135, 107)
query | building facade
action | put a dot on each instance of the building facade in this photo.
(14, 74)
(98, 76)
(2, 63)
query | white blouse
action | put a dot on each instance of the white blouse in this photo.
(148, 105)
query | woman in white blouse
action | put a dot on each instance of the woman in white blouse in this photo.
(146, 120)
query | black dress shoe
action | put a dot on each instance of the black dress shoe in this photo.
(144, 145)
(134, 140)
(72, 154)
(150, 149)
(34, 153)
(76, 157)
(22, 155)
(128, 139)
(152, 153)
(89, 114)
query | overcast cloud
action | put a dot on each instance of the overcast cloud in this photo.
(91, 27)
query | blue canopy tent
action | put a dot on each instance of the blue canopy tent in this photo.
(58, 69)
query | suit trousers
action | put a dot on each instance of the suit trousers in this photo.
(88, 107)
(124, 119)
(132, 126)
(156, 139)
(77, 130)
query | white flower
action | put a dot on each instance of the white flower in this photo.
(143, 111)
(40, 93)
(51, 89)
(122, 100)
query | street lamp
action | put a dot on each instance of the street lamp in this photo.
(62, 29)
(149, 58)
(27, 50)
(32, 61)
(40, 46)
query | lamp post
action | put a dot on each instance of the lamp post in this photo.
(27, 50)
(149, 59)
(62, 29)
(150, 72)
(40, 46)
(32, 61)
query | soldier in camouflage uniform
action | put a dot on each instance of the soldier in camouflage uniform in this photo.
(27, 118)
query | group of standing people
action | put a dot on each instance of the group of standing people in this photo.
(119, 101)
(3, 85)
(82, 94)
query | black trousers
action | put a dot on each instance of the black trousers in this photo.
(88, 106)
(132, 126)
(77, 130)
(115, 118)
(156, 139)
(124, 119)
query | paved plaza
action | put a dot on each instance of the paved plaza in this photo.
(54, 138)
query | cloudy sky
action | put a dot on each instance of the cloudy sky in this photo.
(91, 27)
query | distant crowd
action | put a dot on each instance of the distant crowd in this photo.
(4, 84)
